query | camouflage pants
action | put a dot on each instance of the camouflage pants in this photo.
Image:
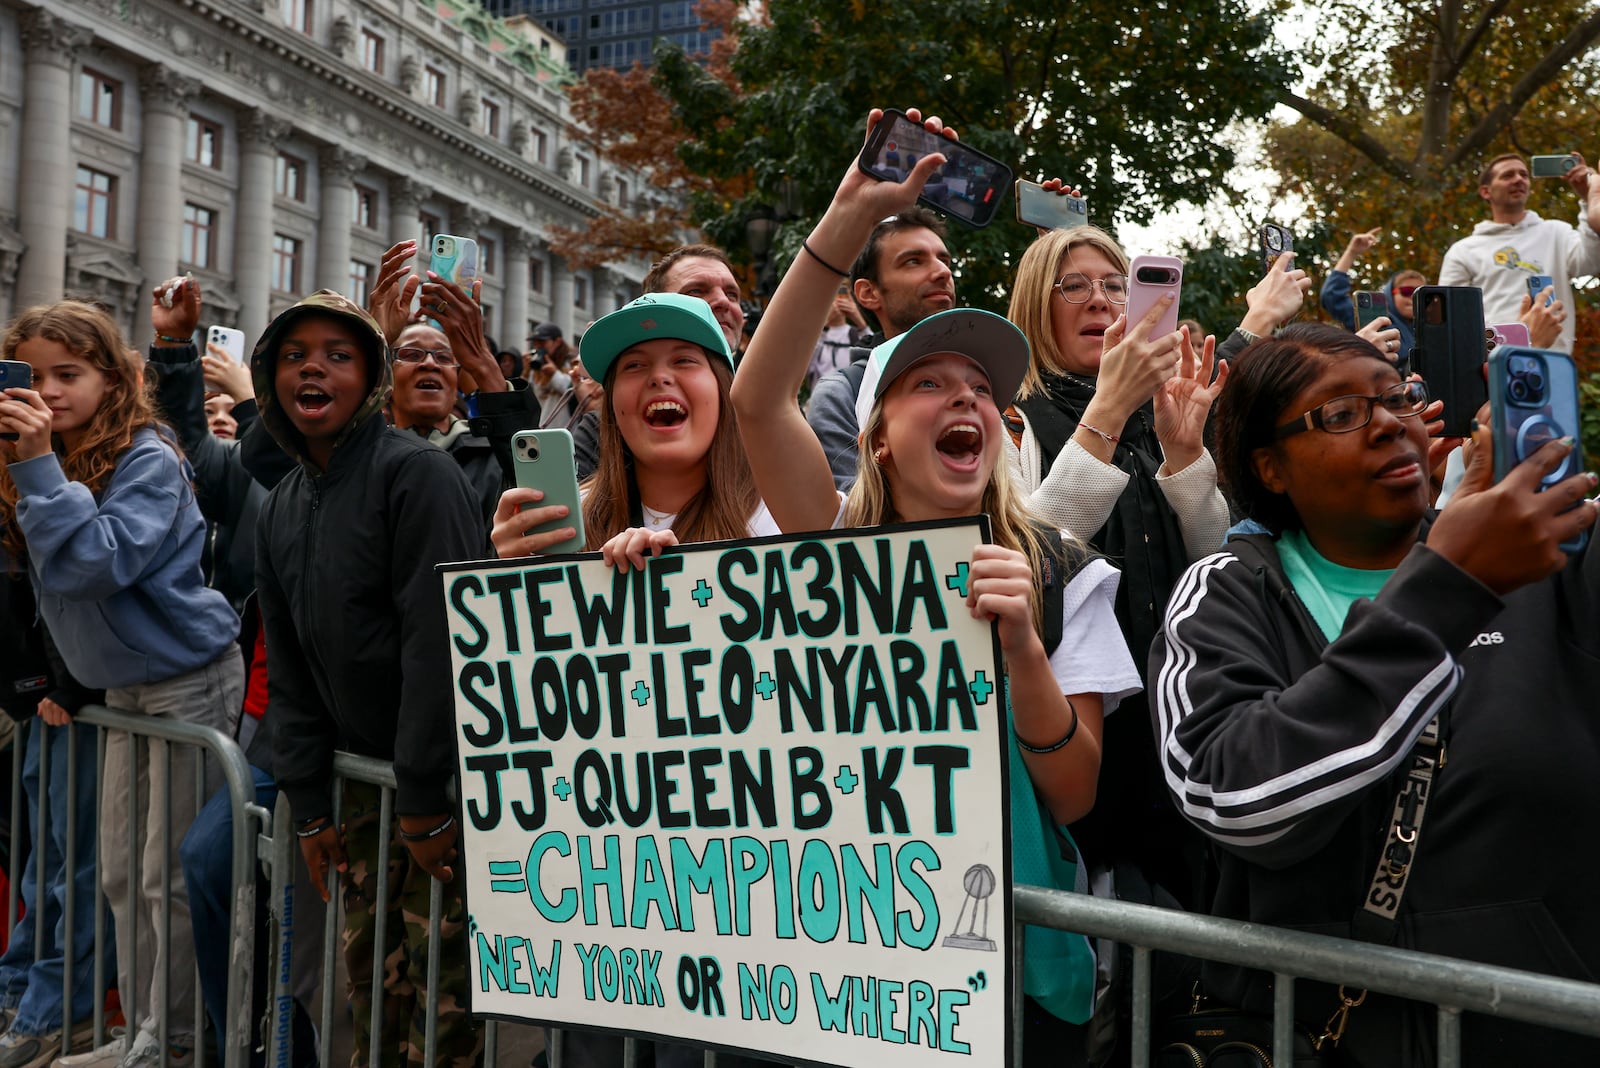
(405, 1007)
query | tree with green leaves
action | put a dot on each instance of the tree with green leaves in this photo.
(1126, 101)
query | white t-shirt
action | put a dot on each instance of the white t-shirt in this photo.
(761, 524)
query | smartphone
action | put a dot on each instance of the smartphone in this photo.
(969, 187)
(1448, 350)
(1370, 304)
(14, 374)
(1533, 399)
(454, 259)
(1510, 334)
(1552, 166)
(1149, 278)
(1052, 211)
(1275, 241)
(1537, 284)
(229, 339)
(543, 461)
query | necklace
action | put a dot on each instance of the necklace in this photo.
(1086, 383)
(653, 519)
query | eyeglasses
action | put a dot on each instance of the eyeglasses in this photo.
(442, 357)
(1078, 288)
(1342, 415)
(1405, 291)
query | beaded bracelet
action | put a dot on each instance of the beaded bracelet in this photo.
(1073, 729)
(175, 340)
(423, 836)
(313, 828)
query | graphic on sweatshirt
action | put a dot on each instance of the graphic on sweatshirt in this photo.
(1509, 259)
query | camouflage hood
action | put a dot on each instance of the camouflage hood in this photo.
(264, 367)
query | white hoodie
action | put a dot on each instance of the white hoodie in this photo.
(1499, 258)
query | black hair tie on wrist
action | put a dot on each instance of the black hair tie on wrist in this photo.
(806, 245)
(1065, 738)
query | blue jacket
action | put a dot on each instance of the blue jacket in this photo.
(1336, 301)
(118, 578)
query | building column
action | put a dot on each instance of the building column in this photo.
(260, 134)
(337, 173)
(405, 206)
(165, 95)
(45, 177)
(561, 295)
(519, 246)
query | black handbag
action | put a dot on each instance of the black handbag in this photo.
(1228, 1038)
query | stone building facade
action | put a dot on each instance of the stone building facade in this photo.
(273, 147)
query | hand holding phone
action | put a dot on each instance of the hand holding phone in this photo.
(454, 259)
(1533, 400)
(1049, 209)
(544, 461)
(969, 187)
(1370, 305)
(228, 340)
(1538, 283)
(1552, 166)
(1149, 279)
(14, 374)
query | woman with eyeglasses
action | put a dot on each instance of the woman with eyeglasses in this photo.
(1108, 426)
(1298, 672)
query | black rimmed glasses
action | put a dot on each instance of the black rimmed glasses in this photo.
(442, 357)
(1079, 288)
(1341, 415)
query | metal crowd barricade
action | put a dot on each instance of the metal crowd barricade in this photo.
(1453, 986)
(241, 789)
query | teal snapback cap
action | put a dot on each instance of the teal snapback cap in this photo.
(653, 316)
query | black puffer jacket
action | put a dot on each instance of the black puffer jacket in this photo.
(356, 639)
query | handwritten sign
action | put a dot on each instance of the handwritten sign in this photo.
(752, 797)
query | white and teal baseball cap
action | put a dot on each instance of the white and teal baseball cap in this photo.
(652, 316)
(987, 339)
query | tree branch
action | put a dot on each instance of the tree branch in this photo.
(1541, 74)
(1348, 131)
(1470, 45)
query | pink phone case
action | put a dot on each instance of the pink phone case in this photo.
(1511, 334)
(1161, 275)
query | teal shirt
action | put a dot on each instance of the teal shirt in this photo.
(1327, 589)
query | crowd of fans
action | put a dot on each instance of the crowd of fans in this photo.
(1266, 623)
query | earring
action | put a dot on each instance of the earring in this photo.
(880, 454)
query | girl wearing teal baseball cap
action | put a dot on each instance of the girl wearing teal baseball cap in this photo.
(672, 469)
(932, 447)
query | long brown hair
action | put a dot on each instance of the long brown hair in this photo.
(89, 334)
(718, 512)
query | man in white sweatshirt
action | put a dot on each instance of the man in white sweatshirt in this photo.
(1515, 244)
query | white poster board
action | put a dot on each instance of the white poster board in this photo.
(753, 797)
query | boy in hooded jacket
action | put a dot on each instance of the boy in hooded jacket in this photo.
(357, 655)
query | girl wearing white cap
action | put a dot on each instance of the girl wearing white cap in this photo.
(932, 447)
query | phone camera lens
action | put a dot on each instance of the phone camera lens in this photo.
(1519, 390)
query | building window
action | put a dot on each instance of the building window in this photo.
(535, 276)
(490, 114)
(488, 317)
(486, 254)
(290, 178)
(297, 16)
(433, 85)
(364, 207)
(360, 282)
(199, 229)
(285, 264)
(580, 292)
(372, 51)
(94, 206)
(583, 172)
(622, 192)
(203, 142)
(99, 99)
(430, 225)
(541, 146)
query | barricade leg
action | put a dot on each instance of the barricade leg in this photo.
(434, 914)
(380, 994)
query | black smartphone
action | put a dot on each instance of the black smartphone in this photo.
(1448, 350)
(1370, 305)
(969, 187)
(1533, 400)
(1275, 241)
(14, 374)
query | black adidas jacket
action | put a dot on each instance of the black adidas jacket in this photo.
(1288, 751)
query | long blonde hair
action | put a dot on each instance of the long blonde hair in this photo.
(870, 503)
(1034, 289)
(90, 335)
(718, 512)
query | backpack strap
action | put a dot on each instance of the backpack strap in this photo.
(1059, 566)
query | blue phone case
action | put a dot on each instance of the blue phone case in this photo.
(1533, 399)
(1537, 284)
